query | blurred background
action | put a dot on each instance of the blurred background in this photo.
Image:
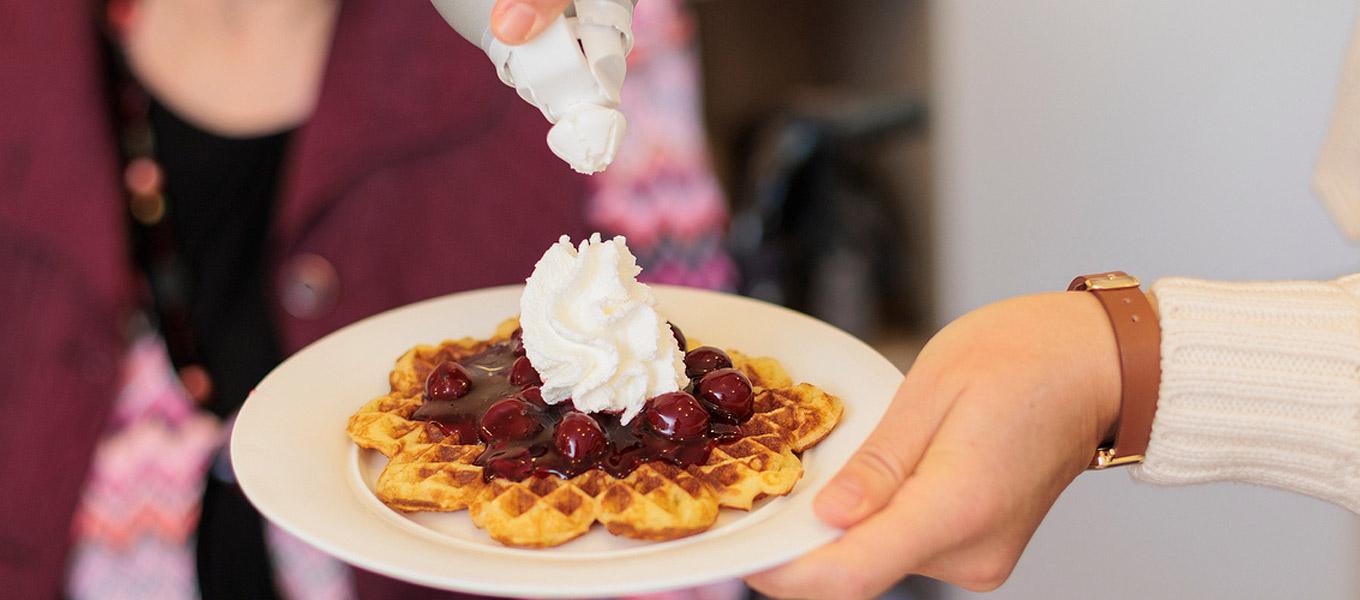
(927, 158)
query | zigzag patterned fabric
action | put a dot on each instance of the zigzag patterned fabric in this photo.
(134, 526)
(136, 520)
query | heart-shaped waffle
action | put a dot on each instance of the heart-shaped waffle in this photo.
(430, 470)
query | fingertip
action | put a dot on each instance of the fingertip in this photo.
(827, 572)
(763, 582)
(514, 22)
(779, 582)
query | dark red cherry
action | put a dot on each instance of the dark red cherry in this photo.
(465, 430)
(447, 382)
(513, 468)
(730, 392)
(677, 415)
(509, 419)
(534, 396)
(679, 337)
(522, 373)
(704, 359)
(579, 437)
(517, 341)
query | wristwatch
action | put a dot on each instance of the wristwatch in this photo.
(1138, 336)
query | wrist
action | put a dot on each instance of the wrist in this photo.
(1137, 334)
(1103, 369)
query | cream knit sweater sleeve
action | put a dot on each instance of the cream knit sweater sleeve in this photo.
(1261, 381)
(1260, 384)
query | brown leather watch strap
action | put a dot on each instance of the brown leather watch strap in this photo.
(1139, 338)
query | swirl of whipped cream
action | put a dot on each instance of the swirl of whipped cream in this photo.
(592, 330)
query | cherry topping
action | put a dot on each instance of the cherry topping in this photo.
(704, 359)
(437, 431)
(534, 396)
(579, 437)
(679, 337)
(524, 437)
(509, 419)
(677, 415)
(514, 468)
(729, 391)
(522, 373)
(465, 430)
(517, 341)
(462, 431)
(448, 382)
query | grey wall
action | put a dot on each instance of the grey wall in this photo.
(1161, 137)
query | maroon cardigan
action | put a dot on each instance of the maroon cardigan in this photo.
(418, 175)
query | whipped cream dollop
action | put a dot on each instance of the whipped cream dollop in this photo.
(592, 330)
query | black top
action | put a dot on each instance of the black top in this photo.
(220, 194)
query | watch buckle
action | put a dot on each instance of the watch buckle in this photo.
(1106, 458)
(1107, 281)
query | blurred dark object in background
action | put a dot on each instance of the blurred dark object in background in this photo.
(817, 226)
(815, 115)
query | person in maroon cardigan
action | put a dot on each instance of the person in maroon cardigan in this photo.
(287, 168)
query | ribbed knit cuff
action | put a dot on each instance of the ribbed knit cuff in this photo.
(1260, 384)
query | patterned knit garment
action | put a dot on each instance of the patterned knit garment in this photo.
(134, 525)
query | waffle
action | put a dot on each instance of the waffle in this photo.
(429, 471)
(432, 477)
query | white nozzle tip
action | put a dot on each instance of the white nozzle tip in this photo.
(588, 138)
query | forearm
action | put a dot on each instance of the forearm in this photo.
(1260, 384)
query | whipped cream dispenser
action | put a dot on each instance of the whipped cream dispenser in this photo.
(572, 72)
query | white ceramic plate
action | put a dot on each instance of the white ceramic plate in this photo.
(297, 466)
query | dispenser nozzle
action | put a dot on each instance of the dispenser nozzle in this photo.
(573, 72)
